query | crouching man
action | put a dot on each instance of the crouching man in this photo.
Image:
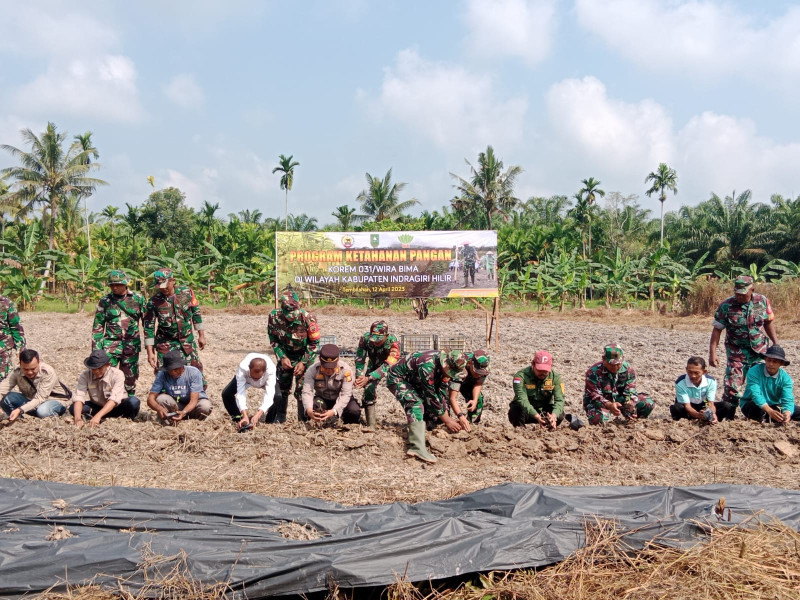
(328, 389)
(38, 389)
(255, 371)
(177, 393)
(769, 395)
(101, 392)
(538, 394)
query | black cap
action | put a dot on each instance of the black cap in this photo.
(776, 352)
(97, 359)
(329, 353)
(173, 360)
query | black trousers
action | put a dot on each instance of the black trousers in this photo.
(725, 410)
(128, 408)
(350, 415)
(518, 418)
(751, 410)
(275, 413)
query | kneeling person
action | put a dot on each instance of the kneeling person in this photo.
(177, 392)
(328, 388)
(101, 392)
(769, 393)
(255, 371)
(538, 394)
(696, 394)
(610, 390)
(36, 394)
(469, 384)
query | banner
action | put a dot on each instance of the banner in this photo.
(387, 264)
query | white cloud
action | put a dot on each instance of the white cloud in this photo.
(184, 91)
(706, 37)
(453, 107)
(103, 87)
(197, 189)
(620, 142)
(12, 125)
(521, 28)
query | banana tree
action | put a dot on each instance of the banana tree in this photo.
(87, 277)
(22, 261)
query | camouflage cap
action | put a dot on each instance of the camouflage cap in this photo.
(743, 284)
(480, 363)
(612, 354)
(117, 277)
(453, 362)
(289, 302)
(378, 331)
(161, 278)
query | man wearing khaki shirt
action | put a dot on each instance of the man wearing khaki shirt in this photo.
(328, 389)
(38, 387)
(101, 392)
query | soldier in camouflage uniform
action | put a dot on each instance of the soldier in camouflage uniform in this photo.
(12, 335)
(420, 382)
(748, 320)
(610, 390)
(470, 257)
(470, 384)
(293, 335)
(378, 351)
(116, 327)
(175, 309)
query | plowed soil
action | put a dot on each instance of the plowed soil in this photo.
(349, 465)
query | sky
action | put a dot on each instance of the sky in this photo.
(205, 95)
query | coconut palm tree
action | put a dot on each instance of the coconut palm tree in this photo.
(48, 174)
(380, 200)
(489, 192)
(110, 214)
(344, 216)
(286, 166)
(664, 178)
(302, 223)
(85, 143)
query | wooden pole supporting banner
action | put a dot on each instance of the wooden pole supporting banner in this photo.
(492, 322)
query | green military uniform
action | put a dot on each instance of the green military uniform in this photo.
(116, 329)
(470, 256)
(174, 316)
(12, 335)
(293, 334)
(534, 396)
(472, 377)
(374, 361)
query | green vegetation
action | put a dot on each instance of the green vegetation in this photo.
(553, 252)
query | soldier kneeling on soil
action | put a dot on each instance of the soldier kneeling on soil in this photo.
(538, 394)
(769, 394)
(470, 384)
(420, 382)
(610, 390)
(101, 392)
(696, 394)
(328, 389)
(378, 350)
(177, 392)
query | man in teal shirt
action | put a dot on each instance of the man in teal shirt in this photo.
(769, 393)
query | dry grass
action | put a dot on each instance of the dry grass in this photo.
(759, 561)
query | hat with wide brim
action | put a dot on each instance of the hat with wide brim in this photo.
(173, 360)
(777, 353)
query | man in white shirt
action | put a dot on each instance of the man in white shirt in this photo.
(255, 371)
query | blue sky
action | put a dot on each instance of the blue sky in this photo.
(205, 95)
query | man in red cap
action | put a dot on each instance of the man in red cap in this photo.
(538, 394)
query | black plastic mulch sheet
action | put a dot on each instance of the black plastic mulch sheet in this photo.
(230, 536)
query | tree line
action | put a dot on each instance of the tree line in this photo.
(590, 246)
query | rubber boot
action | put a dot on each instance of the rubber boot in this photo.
(416, 442)
(369, 413)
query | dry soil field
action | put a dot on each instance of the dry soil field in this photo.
(351, 466)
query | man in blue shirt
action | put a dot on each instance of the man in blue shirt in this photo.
(177, 393)
(769, 394)
(696, 395)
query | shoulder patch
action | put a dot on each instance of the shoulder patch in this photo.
(348, 376)
(313, 331)
(517, 380)
(193, 300)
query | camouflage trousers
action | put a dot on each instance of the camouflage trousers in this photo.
(285, 378)
(189, 351)
(127, 361)
(370, 390)
(469, 272)
(642, 408)
(739, 362)
(416, 407)
(474, 416)
(5, 362)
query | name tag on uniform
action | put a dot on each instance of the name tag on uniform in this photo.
(530, 386)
